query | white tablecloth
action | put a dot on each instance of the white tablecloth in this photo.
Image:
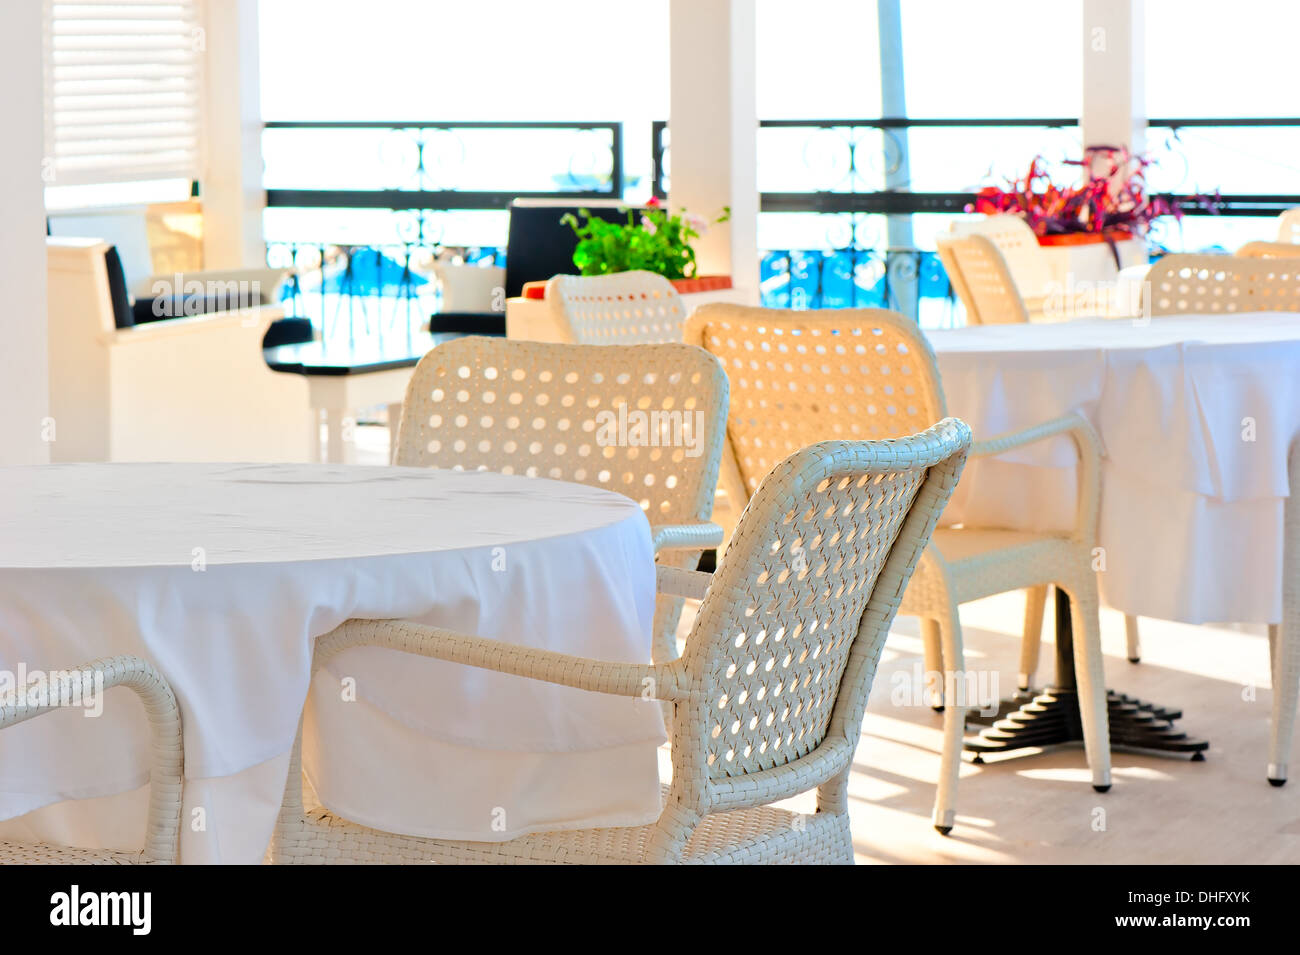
(222, 576)
(1195, 416)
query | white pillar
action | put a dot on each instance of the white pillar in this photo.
(893, 102)
(713, 125)
(231, 183)
(1114, 97)
(24, 356)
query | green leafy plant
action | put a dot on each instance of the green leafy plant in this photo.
(658, 241)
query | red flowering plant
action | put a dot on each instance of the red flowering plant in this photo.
(1112, 199)
(658, 241)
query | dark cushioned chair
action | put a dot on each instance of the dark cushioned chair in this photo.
(537, 247)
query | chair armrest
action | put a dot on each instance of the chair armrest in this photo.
(636, 680)
(1039, 432)
(682, 582)
(699, 536)
(1089, 451)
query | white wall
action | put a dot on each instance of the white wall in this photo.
(24, 378)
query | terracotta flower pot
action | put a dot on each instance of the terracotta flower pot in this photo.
(701, 283)
(1085, 238)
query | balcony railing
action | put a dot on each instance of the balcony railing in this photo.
(399, 183)
(375, 196)
(878, 147)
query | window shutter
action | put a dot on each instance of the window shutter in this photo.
(123, 90)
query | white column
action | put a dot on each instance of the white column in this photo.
(713, 125)
(1114, 98)
(231, 183)
(893, 102)
(24, 357)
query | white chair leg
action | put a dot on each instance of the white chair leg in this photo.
(933, 644)
(1284, 641)
(1131, 633)
(1273, 631)
(1090, 679)
(954, 722)
(1286, 694)
(1035, 602)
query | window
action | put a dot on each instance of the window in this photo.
(123, 92)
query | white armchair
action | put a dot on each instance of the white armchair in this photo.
(179, 389)
(768, 698)
(798, 377)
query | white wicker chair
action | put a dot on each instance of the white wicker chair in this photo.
(1019, 247)
(1269, 250)
(770, 694)
(1221, 284)
(799, 377)
(1288, 226)
(531, 408)
(164, 774)
(625, 308)
(982, 280)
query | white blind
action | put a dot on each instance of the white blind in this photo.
(123, 90)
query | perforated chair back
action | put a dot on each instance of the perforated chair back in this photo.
(798, 377)
(1288, 226)
(788, 636)
(1018, 245)
(646, 421)
(625, 308)
(1222, 284)
(1269, 250)
(982, 280)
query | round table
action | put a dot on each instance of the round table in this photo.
(223, 575)
(1196, 415)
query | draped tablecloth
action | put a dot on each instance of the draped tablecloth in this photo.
(1195, 415)
(223, 575)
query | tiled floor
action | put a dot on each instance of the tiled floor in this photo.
(1041, 808)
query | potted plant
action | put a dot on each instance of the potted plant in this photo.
(1111, 205)
(657, 241)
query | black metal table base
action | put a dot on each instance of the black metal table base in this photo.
(1051, 717)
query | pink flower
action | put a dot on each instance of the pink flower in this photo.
(649, 226)
(697, 223)
(653, 203)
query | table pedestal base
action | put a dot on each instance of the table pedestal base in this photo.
(1051, 718)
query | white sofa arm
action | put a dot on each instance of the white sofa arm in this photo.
(199, 389)
(257, 317)
(251, 285)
